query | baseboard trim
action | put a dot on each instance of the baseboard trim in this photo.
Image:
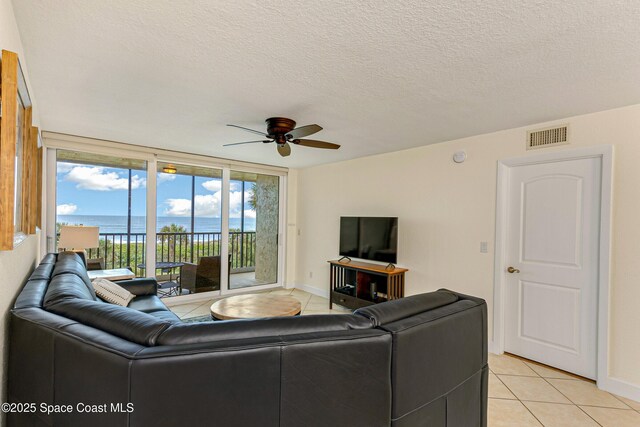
(620, 388)
(324, 293)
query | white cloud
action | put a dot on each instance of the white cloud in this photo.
(66, 209)
(97, 179)
(165, 177)
(207, 205)
(235, 197)
(212, 185)
(64, 167)
(177, 207)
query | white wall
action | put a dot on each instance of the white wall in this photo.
(445, 210)
(15, 265)
(290, 256)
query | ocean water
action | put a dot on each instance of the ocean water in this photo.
(118, 224)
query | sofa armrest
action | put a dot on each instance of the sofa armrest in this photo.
(439, 361)
(391, 311)
(139, 287)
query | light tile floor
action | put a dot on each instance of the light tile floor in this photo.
(521, 393)
(524, 393)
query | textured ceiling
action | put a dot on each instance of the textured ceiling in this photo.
(378, 75)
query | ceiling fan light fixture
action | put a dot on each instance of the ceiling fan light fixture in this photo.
(170, 169)
(283, 131)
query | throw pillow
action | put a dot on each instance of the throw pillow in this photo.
(112, 292)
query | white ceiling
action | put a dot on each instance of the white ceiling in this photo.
(378, 75)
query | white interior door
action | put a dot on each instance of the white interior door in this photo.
(552, 251)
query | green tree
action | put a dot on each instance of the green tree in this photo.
(170, 238)
(173, 228)
(252, 200)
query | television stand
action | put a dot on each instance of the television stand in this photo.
(345, 257)
(359, 284)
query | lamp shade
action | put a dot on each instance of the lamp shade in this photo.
(78, 237)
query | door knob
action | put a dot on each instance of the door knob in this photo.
(513, 270)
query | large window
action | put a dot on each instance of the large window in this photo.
(209, 228)
(108, 192)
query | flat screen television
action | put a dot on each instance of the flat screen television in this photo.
(370, 238)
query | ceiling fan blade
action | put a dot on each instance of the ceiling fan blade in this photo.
(303, 131)
(316, 144)
(250, 130)
(245, 142)
(284, 149)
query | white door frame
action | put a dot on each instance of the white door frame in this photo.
(605, 154)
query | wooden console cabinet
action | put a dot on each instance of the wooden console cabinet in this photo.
(357, 284)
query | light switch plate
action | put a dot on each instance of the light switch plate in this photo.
(484, 247)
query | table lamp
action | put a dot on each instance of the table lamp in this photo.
(78, 239)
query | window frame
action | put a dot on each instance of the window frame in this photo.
(56, 141)
(15, 96)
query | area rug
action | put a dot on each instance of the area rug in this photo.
(197, 319)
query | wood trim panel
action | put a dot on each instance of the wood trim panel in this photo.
(33, 181)
(9, 101)
(26, 171)
(39, 183)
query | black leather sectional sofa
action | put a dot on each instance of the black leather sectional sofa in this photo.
(417, 361)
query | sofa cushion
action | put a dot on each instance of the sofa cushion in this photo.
(111, 292)
(73, 265)
(123, 322)
(66, 286)
(140, 286)
(398, 309)
(43, 271)
(193, 333)
(49, 259)
(32, 294)
(147, 304)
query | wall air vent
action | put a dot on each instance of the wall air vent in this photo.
(547, 137)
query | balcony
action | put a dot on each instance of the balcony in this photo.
(123, 250)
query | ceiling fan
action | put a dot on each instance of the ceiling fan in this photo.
(283, 131)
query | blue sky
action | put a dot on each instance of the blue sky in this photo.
(96, 190)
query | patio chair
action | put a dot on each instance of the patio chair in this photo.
(203, 277)
(168, 289)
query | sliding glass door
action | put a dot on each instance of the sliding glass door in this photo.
(107, 192)
(195, 227)
(254, 221)
(188, 229)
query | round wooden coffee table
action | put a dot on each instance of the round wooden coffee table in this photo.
(254, 306)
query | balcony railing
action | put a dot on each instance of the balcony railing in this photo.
(121, 250)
